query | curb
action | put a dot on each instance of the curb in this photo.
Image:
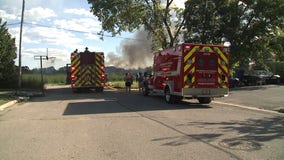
(8, 104)
(249, 107)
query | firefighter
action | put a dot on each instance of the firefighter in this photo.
(128, 82)
(87, 50)
(140, 80)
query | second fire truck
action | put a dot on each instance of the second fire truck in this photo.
(87, 70)
(188, 70)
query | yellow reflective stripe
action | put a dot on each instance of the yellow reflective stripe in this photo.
(222, 66)
(206, 48)
(186, 57)
(186, 67)
(185, 79)
(221, 54)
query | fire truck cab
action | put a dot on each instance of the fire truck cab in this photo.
(189, 70)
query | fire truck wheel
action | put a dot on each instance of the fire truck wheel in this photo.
(204, 100)
(168, 97)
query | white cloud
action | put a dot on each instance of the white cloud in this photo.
(7, 16)
(82, 24)
(62, 57)
(79, 11)
(31, 52)
(92, 36)
(51, 36)
(64, 14)
(92, 48)
(39, 13)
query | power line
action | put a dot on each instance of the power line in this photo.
(12, 24)
(78, 31)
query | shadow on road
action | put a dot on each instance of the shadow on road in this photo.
(110, 101)
(250, 133)
(121, 103)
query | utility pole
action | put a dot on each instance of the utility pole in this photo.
(20, 47)
(38, 57)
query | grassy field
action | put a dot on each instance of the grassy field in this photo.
(35, 79)
(121, 84)
(32, 82)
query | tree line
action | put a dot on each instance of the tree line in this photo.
(254, 28)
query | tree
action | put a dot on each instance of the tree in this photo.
(251, 26)
(163, 21)
(201, 22)
(8, 74)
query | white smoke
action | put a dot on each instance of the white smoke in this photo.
(135, 53)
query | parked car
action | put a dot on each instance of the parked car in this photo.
(260, 77)
(252, 80)
(234, 82)
(268, 76)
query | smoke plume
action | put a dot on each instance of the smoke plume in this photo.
(133, 54)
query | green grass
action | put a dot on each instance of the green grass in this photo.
(33, 81)
(5, 98)
(121, 84)
(47, 78)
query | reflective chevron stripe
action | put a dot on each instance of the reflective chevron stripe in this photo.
(87, 75)
(189, 66)
(223, 68)
(189, 63)
(99, 68)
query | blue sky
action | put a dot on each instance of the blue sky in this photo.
(43, 18)
(48, 24)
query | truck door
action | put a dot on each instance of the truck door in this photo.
(87, 69)
(206, 70)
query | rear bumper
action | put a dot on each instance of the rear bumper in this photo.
(86, 87)
(205, 92)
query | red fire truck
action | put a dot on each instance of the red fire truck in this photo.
(190, 71)
(87, 70)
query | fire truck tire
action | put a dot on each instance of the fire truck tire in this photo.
(204, 100)
(168, 97)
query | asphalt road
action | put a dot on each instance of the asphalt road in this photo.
(117, 125)
(267, 97)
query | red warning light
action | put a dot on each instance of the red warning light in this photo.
(164, 69)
